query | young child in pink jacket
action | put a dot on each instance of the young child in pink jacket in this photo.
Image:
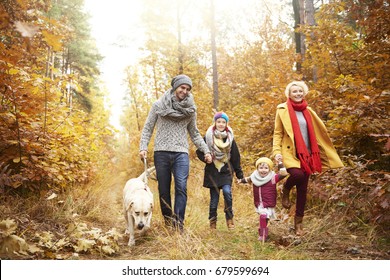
(264, 181)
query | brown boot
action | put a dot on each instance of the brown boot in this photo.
(298, 226)
(286, 198)
(230, 224)
(213, 224)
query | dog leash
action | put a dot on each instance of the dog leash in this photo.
(146, 171)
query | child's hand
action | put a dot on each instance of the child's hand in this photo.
(282, 169)
(208, 158)
(242, 181)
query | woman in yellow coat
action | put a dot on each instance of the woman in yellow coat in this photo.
(302, 142)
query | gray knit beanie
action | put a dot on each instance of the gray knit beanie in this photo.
(179, 80)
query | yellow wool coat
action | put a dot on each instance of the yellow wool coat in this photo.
(284, 143)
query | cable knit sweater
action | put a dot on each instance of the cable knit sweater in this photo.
(171, 133)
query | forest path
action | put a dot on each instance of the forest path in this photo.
(327, 237)
(88, 223)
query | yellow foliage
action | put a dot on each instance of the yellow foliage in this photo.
(52, 40)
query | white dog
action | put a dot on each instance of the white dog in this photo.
(137, 205)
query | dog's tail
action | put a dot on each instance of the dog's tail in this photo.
(147, 173)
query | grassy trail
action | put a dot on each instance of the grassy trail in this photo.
(88, 223)
(327, 236)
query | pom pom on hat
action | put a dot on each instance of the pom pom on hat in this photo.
(222, 115)
(179, 80)
(265, 160)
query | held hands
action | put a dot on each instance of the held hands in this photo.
(283, 171)
(281, 167)
(278, 157)
(242, 181)
(208, 158)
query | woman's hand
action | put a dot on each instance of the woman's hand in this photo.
(278, 157)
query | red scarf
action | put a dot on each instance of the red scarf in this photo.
(309, 162)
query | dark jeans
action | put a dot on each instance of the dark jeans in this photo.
(176, 164)
(299, 179)
(214, 200)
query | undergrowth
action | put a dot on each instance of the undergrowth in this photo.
(87, 222)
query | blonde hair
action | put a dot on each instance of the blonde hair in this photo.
(300, 84)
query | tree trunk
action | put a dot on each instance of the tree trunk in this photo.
(214, 57)
(309, 11)
(155, 81)
(136, 107)
(48, 60)
(303, 15)
(299, 20)
(180, 46)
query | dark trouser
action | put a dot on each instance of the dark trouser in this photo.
(168, 163)
(299, 179)
(214, 200)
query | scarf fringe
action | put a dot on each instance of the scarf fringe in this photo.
(310, 163)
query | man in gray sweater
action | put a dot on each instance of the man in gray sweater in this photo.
(173, 115)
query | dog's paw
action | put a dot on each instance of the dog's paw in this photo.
(131, 242)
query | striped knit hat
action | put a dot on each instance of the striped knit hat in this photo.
(222, 115)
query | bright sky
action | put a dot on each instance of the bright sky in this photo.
(114, 24)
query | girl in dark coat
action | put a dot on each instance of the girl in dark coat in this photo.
(218, 175)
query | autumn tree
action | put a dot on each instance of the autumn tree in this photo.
(303, 15)
(352, 94)
(46, 140)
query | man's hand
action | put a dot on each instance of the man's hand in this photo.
(143, 154)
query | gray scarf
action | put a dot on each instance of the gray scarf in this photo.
(168, 106)
(258, 181)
